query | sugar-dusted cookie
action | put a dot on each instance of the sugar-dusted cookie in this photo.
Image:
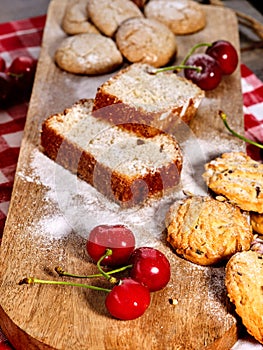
(88, 54)
(244, 283)
(107, 15)
(147, 41)
(181, 16)
(206, 231)
(76, 19)
(237, 177)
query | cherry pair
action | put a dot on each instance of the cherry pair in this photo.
(219, 59)
(207, 69)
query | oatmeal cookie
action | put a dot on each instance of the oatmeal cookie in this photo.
(181, 16)
(107, 15)
(88, 54)
(237, 177)
(76, 19)
(147, 41)
(206, 231)
(244, 283)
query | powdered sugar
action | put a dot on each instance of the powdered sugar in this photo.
(54, 226)
(79, 206)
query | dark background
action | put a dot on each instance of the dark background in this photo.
(258, 4)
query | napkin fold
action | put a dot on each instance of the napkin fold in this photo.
(24, 38)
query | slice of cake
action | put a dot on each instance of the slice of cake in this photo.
(121, 165)
(136, 96)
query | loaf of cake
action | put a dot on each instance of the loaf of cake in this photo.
(123, 166)
(137, 96)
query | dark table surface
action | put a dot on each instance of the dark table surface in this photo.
(251, 44)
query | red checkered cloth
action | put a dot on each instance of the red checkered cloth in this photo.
(16, 38)
(24, 38)
(252, 89)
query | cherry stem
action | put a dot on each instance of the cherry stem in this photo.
(223, 116)
(15, 75)
(192, 50)
(182, 65)
(61, 272)
(105, 274)
(33, 280)
(176, 68)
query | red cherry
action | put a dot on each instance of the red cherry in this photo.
(23, 69)
(5, 346)
(225, 54)
(118, 238)
(22, 72)
(5, 90)
(128, 300)
(2, 64)
(22, 65)
(210, 75)
(150, 267)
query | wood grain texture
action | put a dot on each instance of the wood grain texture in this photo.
(54, 317)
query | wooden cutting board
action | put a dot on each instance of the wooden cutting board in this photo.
(48, 221)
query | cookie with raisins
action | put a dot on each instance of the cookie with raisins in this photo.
(238, 178)
(206, 231)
